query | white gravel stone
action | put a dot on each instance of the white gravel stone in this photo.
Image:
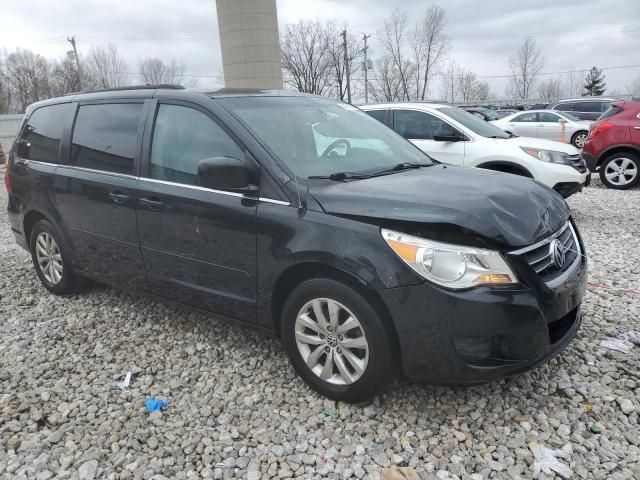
(234, 399)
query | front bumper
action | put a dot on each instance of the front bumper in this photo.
(590, 160)
(566, 189)
(474, 336)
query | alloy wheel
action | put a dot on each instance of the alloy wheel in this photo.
(580, 140)
(331, 341)
(49, 258)
(621, 171)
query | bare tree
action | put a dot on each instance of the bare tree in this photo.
(64, 77)
(28, 75)
(483, 92)
(387, 86)
(429, 45)
(392, 38)
(550, 90)
(306, 57)
(525, 65)
(573, 83)
(335, 46)
(634, 88)
(105, 68)
(450, 82)
(154, 71)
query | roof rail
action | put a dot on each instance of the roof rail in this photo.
(166, 86)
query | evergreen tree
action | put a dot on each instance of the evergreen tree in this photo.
(594, 83)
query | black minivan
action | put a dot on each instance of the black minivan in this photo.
(306, 218)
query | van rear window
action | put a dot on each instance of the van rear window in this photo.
(43, 131)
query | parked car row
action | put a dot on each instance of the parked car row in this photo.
(309, 220)
(552, 125)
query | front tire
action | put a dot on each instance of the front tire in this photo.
(51, 261)
(620, 171)
(579, 139)
(336, 341)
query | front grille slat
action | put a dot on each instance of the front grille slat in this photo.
(539, 256)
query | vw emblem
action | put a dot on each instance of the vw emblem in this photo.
(558, 253)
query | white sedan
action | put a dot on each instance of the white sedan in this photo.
(546, 124)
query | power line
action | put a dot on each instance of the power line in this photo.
(60, 39)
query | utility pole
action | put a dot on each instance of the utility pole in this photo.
(366, 67)
(346, 65)
(72, 41)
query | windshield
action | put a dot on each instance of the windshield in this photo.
(473, 123)
(315, 136)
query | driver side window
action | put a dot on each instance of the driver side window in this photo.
(182, 137)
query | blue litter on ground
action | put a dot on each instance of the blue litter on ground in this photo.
(154, 404)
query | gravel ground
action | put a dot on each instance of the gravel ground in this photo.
(236, 409)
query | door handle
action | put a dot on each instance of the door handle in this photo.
(151, 204)
(118, 197)
(637, 128)
(22, 163)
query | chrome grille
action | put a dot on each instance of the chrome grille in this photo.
(577, 162)
(540, 256)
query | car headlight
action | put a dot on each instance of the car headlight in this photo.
(550, 156)
(451, 266)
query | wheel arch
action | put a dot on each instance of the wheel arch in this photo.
(505, 166)
(617, 149)
(300, 272)
(30, 219)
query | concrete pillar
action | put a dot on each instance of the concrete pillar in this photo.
(250, 43)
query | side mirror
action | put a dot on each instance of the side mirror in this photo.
(225, 173)
(449, 138)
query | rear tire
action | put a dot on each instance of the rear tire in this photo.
(620, 171)
(343, 352)
(579, 138)
(51, 260)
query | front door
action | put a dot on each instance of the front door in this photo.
(199, 245)
(523, 124)
(95, 191)
(420, 128)
(550, 126)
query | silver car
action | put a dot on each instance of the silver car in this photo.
(546, 124)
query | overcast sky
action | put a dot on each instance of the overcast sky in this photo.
(572, 34)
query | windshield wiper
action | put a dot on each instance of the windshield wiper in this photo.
(342, 176)
(400, 167)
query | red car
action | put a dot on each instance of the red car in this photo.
(613, 145)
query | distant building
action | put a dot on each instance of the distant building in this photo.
(250, 43)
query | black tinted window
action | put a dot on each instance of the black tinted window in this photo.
(43, 131)
(413, 125)
(380, 115)
(105, 137)
(592, 107)
(182, 137)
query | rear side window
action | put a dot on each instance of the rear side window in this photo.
(565, 107)
(43, 131)
(590, 107)
(611, 111)
(105, 137)
(182, 137)
(380, 115)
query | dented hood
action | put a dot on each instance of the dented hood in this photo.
(447, 203)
